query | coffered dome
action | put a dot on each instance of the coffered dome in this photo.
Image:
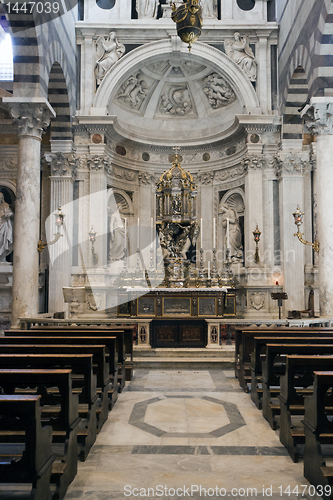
(172, 98)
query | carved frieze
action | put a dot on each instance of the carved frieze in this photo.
(230, 173)
(121, 173)
(8, 163)
(218, 91)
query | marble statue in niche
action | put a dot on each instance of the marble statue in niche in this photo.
(6, 229)
(108, 50)
(233, 240)
(147, 8)
(133, 91)
(239, 50)
(209, 9)
(117, 236)
(176, 101)
(218, 92)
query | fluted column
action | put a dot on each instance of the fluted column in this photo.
(63, 171)
(320, 115)
(32, 116)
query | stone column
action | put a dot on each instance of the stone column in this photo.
(207, 214)
(320, 114)
(63, 171)
(32, 116)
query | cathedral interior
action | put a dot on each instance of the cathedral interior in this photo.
(171, 173)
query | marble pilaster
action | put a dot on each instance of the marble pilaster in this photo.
(98, 207)
(63, 171)
(291, 164)
(32, 117)
(320, 114)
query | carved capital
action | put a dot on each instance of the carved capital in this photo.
(32, 118)
(319, 117)
(252, 162)
(290, 164)
(97, 163)
(206, 177)
(62, 164)
(145, 178)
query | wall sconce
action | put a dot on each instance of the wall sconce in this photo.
(59, 222)
(256, 235)
(298, 216)
(92, 238)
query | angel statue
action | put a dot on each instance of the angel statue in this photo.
(108, 51)
(240, 51)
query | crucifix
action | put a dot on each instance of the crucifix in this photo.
(176, 149)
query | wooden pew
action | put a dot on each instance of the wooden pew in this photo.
(58, 410)
(258, 355)
(99, 365)
(128, 331)
(21, 414)
(274, 367)
(292, 401)
(79, 332)
(109, 342)
(318, 431)
(245, 346)
(83, 378)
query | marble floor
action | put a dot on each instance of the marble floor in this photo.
(196, 434)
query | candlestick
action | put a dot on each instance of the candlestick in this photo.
(151, 230)
(125, 232)
(214, 234)
(138, 234)
(228, 242)
(209, 269)
(201, 232)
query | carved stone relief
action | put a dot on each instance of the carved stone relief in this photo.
(230, 173)
(134, 90)
(121, 173)
(176, 100)
(319, 118)
(108, 51)
(257, 300)
(218, 91)
(239, 50)
(206, 177)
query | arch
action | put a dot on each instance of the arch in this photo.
(296, 98)
(120, 198)
(58, 98)
(221, 62)
(235, 198)
(55, 54)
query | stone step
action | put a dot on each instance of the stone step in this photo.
(185, 363)
(224, 352)
(182, 359)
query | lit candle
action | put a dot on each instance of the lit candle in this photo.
(201, 232)
(228, 242)
(214, 234)
(138, 235)
(209, 269)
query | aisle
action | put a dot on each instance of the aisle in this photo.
(186, 434)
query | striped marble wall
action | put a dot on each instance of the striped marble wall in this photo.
(306, 32)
